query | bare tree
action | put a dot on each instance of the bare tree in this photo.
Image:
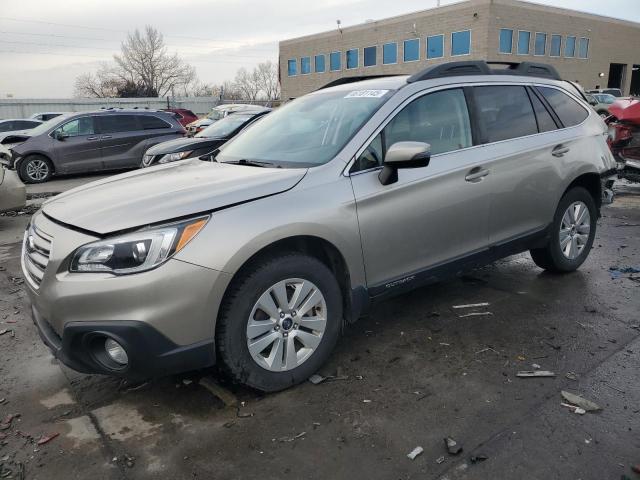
(267, 79)
(247, 83)
(145, 60)
(104, 83)
(230, 91)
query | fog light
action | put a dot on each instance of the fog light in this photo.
(116, 352)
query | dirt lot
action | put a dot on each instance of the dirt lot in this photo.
(411, 373)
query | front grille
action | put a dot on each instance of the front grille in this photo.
(35, 255)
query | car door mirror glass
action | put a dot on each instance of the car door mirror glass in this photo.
(60, 135)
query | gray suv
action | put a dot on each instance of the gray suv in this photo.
(337, 200)
(90, 142)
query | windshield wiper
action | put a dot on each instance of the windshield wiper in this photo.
(251, 163)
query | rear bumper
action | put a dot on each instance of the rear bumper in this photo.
(606, 185)
(13, 194)
(150, 353)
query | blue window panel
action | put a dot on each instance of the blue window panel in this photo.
(506, 40)
(570, 47)
(435, 46)
(461, 43)
(292, 67)
(524, 40)
(390, 53)
(319, 63)
(583, 49)
(352, 58)
(411, 50)
(369, 56)
(305, 65)
(556, 46)
(540, 44)
(335, 62)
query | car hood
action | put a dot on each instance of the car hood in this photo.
(181, 145)
(203, 122)
(166, 192)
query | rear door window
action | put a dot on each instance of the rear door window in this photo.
(151, 122)
(568, 110)
(546, 123)
(6, 126)
(24, 124)
(118, 123)
(504, 112)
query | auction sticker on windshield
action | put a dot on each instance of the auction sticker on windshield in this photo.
(366, 94)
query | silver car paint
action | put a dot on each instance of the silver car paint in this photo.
(431, 215)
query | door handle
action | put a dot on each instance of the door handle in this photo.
(93, 138)
(105, 137)
(476, 174)
(560, 150)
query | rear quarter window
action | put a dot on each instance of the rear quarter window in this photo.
(568, 110)
(505, 112)
(151, 122)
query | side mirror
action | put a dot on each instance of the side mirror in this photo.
(403, 155)
(60, 135)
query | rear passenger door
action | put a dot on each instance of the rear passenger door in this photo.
(119, 136)
(431, 215)
(519, 136)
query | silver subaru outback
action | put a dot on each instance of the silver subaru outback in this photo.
(257, 259)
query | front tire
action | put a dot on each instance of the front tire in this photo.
(35, 169)
(571, 235)
(279, 322)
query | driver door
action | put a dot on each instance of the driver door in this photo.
(432, 215)
(79, 149)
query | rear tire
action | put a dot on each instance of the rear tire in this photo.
(35, 169)
(279, 322)
(571, 233)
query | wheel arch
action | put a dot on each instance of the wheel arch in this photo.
(40, 154)
(316, 247)
(591, 182)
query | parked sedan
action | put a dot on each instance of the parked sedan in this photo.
(204, 142)
(219, 113)
(17, 126)
(90, 141)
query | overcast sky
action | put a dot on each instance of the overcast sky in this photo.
(45, 44)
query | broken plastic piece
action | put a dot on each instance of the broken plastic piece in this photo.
(574, 399)
(452, 446)
(415, 452)
(317, 379)
(472, 305)
(47, 438)
(574, 409)
(535, 373)
(478, 458)
(440, 460)
(475, 314)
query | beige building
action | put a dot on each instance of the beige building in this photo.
(597, 51)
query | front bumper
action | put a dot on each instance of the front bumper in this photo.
(165, 318)
(150, 353)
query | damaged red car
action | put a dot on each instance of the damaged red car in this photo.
(624, 137)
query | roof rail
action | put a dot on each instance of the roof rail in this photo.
(480, 67)
(345, 80)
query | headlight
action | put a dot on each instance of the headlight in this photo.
(138, 251)
(174, 157)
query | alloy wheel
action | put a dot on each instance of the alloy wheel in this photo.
(37, 170)
(286, 324)
(574, 230)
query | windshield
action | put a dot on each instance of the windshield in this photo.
(46, 126)
(215, 114)
(308, 131)
(225, 126)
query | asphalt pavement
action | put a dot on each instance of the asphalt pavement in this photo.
(415, 371)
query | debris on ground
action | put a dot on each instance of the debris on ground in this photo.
(478, 458)
(20, 281)
(440, 460)
(452, 446)
(535, 373)
(487, 349)
(415, 452)
(291, 439)
(522, 358)
(129, 461)
(228, 398)
(46, 439)
(574, 409)
(617, 272)
(2, 400)
(572, 376)
(535, 366)
(6, 422)
(317, 379)
(5, 331)
(574, 399)
(472, 305)
(475, 314)
(366, 400)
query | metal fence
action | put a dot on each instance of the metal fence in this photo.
(24, 108)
